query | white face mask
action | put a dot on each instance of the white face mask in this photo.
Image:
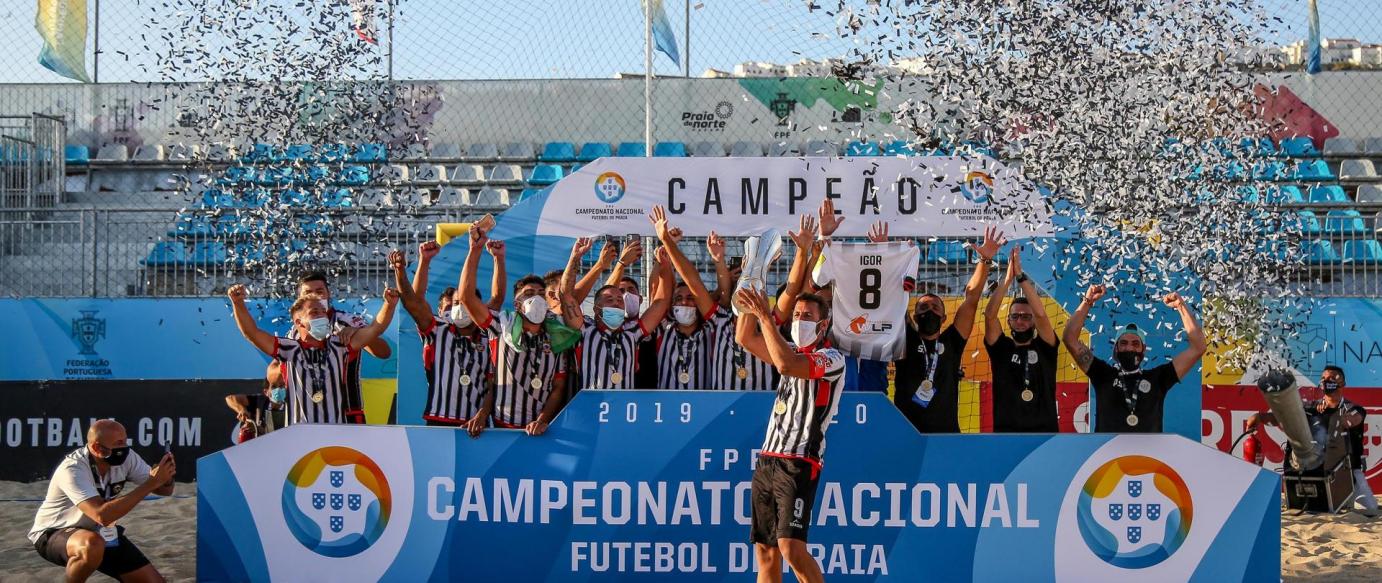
(632, 305)
(319, 328)
(804, 332)
(460, 316)
(684, 315)
(535, 309)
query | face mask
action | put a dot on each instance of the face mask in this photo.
(612, 317)
(1129, 360)
(319, 328)
(278, 395)
(928, 323)
(117, 455)
(804, 332)
(460, 316)
(632, 304)
(685, 315)
(535, 309)
(1329, 386)
(1024, 336)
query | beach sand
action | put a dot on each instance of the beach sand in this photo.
(1315, 548)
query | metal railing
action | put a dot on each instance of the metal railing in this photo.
(31, 160)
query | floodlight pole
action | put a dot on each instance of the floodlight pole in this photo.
(647, 78)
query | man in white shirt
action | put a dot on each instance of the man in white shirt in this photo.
(75, 526)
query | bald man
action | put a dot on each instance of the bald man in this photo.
(93, 488)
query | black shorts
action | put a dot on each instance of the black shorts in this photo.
(784, 492)
(117, 560)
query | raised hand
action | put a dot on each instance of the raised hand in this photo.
(165, 470)
(496, 249)
(608, 252)
(1174, 301)
(993, 241)
(661, 257)
(633, 251)
(829, 221)
(396, 260)
(878, 233)
(478, 237)
(716, 246)
(805, 235)
(1094, 293)
(237, 292)
(582, 246)
(1014, 263)
(391, 295)
(427, 250)
(752, 301)
(666, 233)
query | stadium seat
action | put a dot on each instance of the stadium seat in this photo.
(590, 151)
(1366, 251)
(746, 150)
(208, 253)
(1309, 223)
(1312, 171)
(505, 174)
(631, 150)
(452, 196)
(1372, 146)
(149, 153)
(333, 153)
(545, 174)
(468, 174)
(558, 152)
(527, 194)
(292, 197)
(429, 173)
(260, 153)
(858, 148)
(707, 150)
(255, 198)
(314, 225)
(1231, 171)
(314, 174)
(370, 153)
(782, 150)
(215, 198)
(402, 197)
(1269, 170)
(274, 176)
(518, 152)
(355, 175)
(574, 169)
(166, 253)
(446, 152)
(1192, 173)
(1299, 147)
(1274, 249)
(191, 226)
(1344, 222)
(490, 197)
(393, 174)
(1285, 195)
(113, 153)
(669, 150)
(1328, 193)
(183, 152)
(1257, 147)
(898, 148)
(248, 253)
(1321, 252)
(76, 155)
(1369, 193)
(292, 250)
(415, 151)
(298, 153)
(1357, 170)
(482, 152)
(943, 252)
(1248, 194)
(337, 198)
(821, 148)
(1341, 147)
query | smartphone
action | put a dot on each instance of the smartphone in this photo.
(168, 447)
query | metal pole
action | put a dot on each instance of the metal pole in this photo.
(96, 47)
(686, 42)
(647, 78)
(390, 40)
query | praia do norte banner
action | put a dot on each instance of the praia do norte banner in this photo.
(654, 486)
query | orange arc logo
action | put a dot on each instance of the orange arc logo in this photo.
(857, 325)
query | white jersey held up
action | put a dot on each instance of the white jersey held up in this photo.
(869, 305)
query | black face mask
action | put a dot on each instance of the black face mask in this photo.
(1025, 336)
(1129, 361)
(928, 323)
(1329, 386)
(116, 456)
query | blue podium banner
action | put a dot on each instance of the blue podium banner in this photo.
(651, 485)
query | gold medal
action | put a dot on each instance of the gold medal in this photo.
(616, 378)
(465, 379)
(742, 372)
(318, 397)
(1028, 395)
(535, 383)
(927, 385)
(1132, 420)
(684, 377)
(780, 408)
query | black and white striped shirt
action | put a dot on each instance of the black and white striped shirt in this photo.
(524, 372)
(730, 358)
(608, 357)
(315, 378)
(804, 408)
(688, 358)
(458, 368)
(354, 402)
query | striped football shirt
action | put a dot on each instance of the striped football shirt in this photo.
(458, 367)
(315, 377)
(804, 408)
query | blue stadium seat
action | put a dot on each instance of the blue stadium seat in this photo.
(230, 225)
(1344, 222)
(1312, 170)
(558, 152)
(337, 198)
(631, 150)
(76, 154)
(191, 226)
(1328, 193)
(1269, 170)
(574, 169)
(898, 148)
(274, 176)
(293, 197)
(255, 198)
(236, 175)
(334, 153)
(1299, 147)
(314, 174)
(527, 194)
(314, 225)
(1248, 194)
(1321, 252)
(545, 174)
(590, 151)
(370, 153)
(858, 148)
(214, 198)
(166, 253)
(207, 253)
(1309, 223)
(1257, 147)
(1231, 171)
(355, 175)
(1284, 195)
(260, 153)
(286, 250)
(665, 149)
(298, 153)
(1192, 173)
(1274, 250)
(1366, 251)
(248, 253)
(947, 252)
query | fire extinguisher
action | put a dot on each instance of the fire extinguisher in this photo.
(1252, 447)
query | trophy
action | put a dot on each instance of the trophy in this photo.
(759, 254)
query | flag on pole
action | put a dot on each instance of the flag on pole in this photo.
(1312, 62)
(663, 37)
(362, 20)
(62, 24)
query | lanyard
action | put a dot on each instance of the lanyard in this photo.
(103, 485)
(686, 348)
(932, 360)
(1130, 394)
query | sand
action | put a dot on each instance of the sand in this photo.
(1315, 548)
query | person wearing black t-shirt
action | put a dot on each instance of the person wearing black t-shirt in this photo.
(1129, 398)
(927, 378)
(1024, 364)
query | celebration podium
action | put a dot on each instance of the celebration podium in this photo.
(654, 486)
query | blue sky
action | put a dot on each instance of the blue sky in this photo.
(466, 39)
